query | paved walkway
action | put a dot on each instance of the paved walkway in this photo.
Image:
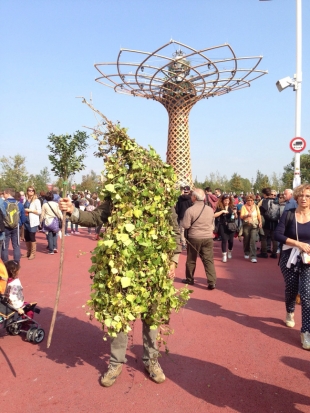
(231, 351)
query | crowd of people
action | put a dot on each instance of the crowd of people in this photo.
(275, 224)
(22, 215)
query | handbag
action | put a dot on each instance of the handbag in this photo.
(232, 227)
(186, 231)
(56, 223)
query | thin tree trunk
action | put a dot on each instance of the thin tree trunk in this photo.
(62, 254)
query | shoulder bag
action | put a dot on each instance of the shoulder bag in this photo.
(186, 231)
(56, 223)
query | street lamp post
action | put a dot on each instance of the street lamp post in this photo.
(296, 84)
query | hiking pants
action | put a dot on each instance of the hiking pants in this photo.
(263, 238)
(249, 240)
(13, 235)
(119, 345)
(203, 248)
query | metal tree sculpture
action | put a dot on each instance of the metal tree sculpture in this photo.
(178, 82)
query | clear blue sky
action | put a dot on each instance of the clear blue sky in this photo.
(48, 49)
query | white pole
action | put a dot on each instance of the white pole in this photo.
(298, 79)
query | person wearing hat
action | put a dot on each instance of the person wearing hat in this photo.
(184, 202)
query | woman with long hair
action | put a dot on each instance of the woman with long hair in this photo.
(293, 231)
(226, 212)
(32, 207)
(252, 222)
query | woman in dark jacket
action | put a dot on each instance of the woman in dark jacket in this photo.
(226, 212)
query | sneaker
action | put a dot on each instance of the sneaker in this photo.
(229, 255)
(67, 235)
(305, 340)
(289, 321)
(246, 257)
(111, 375)
(55, 250)
(253, 260)
(51, 253)
(269, 251)
(155, 371)
(273, 256)
(77, 233)
(263, 255)
(211, 286)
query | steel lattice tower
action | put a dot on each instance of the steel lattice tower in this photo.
(178, 82)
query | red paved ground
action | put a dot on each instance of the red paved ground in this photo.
(231, 351)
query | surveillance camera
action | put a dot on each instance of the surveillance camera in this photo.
(284, 83)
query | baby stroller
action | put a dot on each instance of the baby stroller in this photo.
(13, 322)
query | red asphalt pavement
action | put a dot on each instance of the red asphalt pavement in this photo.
(230, 352)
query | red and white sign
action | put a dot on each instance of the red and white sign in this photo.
(298, 144)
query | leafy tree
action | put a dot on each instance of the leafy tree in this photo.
(236, 184)
(91, 182)
(131, 262)
(13, 172)
(247, 187)
(288, 174)
(40, 180)
(276, 182)
(67, 156)
(262, 181)
(216, 180)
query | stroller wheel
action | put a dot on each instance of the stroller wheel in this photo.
(14, 329)
(30, 333)
(38, 335)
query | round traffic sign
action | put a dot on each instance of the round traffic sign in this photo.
(298, 144)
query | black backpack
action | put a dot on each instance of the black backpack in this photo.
(272, 210)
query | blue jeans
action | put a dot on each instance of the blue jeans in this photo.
(11, 234)
(52, 241)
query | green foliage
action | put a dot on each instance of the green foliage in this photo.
(40, 180)
(131, 262)
(262, 181)
(64, 158)
(13, 172)
(91, 182)
(288, 174)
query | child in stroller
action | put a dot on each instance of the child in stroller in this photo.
(16, 315)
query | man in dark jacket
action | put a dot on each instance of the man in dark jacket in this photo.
(97, 217)
(184, 202)
(269, 225)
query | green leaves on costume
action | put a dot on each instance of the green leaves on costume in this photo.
(131, 262)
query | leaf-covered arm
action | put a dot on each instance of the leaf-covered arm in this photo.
(98, 216)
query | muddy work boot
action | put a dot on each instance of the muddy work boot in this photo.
(155, 371)
(111, 375)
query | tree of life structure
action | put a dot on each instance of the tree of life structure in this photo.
(178, 80)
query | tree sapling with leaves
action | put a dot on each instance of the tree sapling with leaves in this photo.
(67, 156)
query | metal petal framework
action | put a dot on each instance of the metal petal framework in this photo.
(178, 82)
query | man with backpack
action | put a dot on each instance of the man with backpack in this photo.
(13, 213)
(270, 211)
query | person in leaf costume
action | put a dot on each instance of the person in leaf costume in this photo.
(135, 259)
